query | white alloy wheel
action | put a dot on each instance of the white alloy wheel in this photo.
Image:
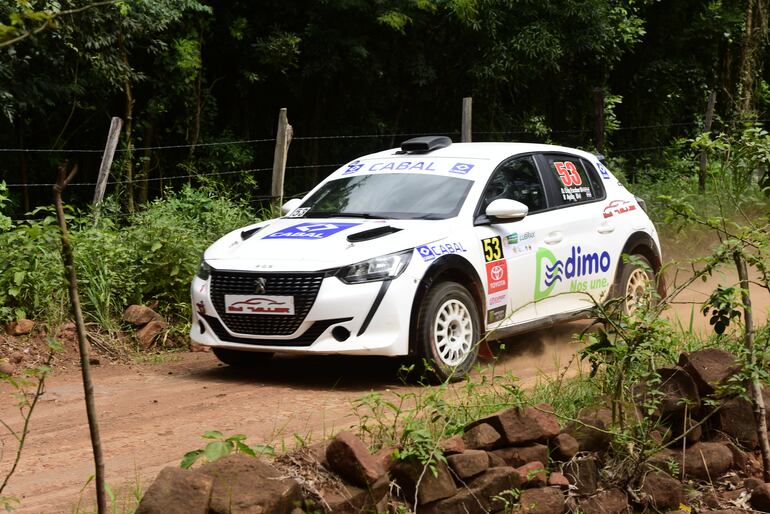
(453, 332)
(636, 282)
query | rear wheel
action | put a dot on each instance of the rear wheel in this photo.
(242, 360)
(635, 283)
(448, 331)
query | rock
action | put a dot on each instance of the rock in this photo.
(469, 463)
(708, 368)
(703, 461)
(678, 391)
(407, 473)
(521, 427)
(318, 452)
(349, 499)
(532, 474)
(736, 419)
(17, 357)
(516, 456)
(752, 483)
(760, 498)
(481, 436)
(557, 479)
(243, 485)
(546, 500)
(385, 457)
(495, 461)
(349, 457)
(149, 332)
(94, 361)
(199, 348)
(662, 491)
(590, 430)
(21, 327)
(453, 445)
(564, 447)
(611, 501)
(680, 425)
(479, 496)
(177, 491)
(583, 474)
(6, 368)
(139, 315)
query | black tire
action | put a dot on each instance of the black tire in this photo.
(448, 330)
(242, 360)
(634, 283)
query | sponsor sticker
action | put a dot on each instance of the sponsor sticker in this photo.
(461, 167)
(579, 270)
(310, 231)
(493, 248)
(618, 207)
(259, 304)
(430, 252)
(496, 314)
(497, 276)
(353, 167)
(298, 213)
(516, 237)
(603, 171)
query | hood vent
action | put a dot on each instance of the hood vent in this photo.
(245, 234)
(373, 233)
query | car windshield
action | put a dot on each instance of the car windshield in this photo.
(395, 195)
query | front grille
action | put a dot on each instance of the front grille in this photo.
(307, 338)
(302, 286)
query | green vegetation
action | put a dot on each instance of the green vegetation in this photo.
(145, 258)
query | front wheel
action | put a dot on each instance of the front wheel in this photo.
(242, 360)
(636, 279)
(448, 332)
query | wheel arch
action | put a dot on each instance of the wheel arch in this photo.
(447, 268)
(641, 243)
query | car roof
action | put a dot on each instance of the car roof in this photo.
(488, 151)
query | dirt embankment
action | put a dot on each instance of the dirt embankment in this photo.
(152, 414)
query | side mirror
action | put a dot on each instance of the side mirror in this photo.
(290, 206)
(504, 210)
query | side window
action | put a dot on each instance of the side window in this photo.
(516, 179)
(572, 183)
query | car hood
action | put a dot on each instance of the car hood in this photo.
(302, 244)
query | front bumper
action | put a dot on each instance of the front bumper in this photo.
(376, 315)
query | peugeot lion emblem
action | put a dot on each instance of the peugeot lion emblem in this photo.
(259, 286)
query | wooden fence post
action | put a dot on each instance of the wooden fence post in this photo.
(466, 130)
(109, 152)
(282, 141)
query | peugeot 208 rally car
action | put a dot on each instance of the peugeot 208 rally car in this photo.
(422, 250)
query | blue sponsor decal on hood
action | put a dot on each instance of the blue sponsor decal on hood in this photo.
(310, 231)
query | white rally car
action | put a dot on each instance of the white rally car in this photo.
(422, 250)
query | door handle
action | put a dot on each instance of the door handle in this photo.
(605, 228)
(553, 238)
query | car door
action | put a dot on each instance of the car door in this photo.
(509, 248)
(573, 260)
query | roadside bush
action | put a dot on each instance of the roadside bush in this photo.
(150, 256)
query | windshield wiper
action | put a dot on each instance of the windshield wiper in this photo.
(332, 214)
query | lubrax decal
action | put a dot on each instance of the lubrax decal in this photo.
(310, 231)
(549, 271)
(430, 252)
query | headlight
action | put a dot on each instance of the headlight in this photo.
(379, 268)
(204, 271)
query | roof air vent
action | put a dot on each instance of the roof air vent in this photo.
(425, 144)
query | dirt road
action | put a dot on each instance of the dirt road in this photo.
(151, 415)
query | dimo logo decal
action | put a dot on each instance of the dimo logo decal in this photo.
(549, 271)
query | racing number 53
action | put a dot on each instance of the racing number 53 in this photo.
(568, 173)
(493, 248)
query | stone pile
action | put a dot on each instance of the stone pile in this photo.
(148, 324)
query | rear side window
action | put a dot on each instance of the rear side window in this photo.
(571, 181)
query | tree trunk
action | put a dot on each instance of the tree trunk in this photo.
(706, 129)
(756, 387)
(83, 346)
(753, 42)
